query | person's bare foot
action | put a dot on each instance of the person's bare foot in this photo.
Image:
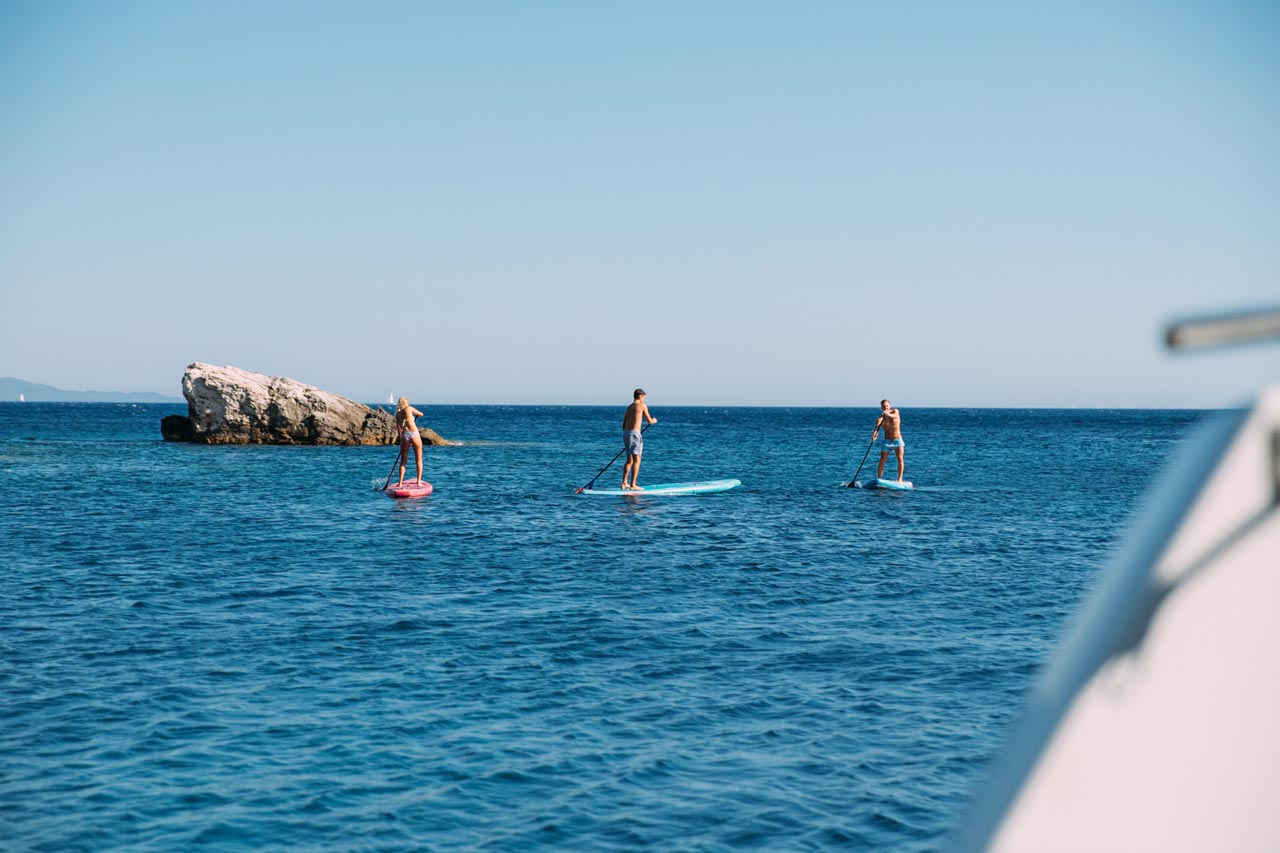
(636, 488)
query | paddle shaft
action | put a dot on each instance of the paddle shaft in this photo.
(399, 456)
(392, 472)
(606, 468)
(853, 482)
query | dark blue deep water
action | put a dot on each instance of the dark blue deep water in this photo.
(250, 648)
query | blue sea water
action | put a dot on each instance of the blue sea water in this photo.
(251, 648)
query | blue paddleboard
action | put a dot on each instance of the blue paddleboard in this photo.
(888, 484)
(701, 487)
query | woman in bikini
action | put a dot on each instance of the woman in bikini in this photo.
(409, 436)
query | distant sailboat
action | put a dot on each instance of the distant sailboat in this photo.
(22, 398)
(391, 398)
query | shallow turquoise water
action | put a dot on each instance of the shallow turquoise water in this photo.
(249, 647)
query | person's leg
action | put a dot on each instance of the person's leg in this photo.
(417, 457)
(404, 457)
(884, 455)
(635, 476)
(626, 470)
(898, 452)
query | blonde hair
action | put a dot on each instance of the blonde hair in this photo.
(402, 403)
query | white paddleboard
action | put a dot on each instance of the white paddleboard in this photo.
(700, 487)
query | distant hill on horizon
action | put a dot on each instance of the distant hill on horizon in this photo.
(12, 390)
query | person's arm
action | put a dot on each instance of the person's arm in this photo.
(648, 417)
(879, 421)
(416, 413)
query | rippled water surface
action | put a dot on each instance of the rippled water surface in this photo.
(249, 647)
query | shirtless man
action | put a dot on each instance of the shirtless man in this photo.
(891, 420)
(632, 440)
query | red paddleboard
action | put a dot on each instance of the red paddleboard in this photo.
(411, 488)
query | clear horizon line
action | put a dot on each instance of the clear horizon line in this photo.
(177, 401)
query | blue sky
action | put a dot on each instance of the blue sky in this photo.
(990, 204)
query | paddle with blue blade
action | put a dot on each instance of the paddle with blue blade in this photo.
(853, 484)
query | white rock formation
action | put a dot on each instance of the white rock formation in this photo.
(227, 405)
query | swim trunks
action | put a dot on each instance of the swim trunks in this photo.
(632, 442)
(888, 444)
